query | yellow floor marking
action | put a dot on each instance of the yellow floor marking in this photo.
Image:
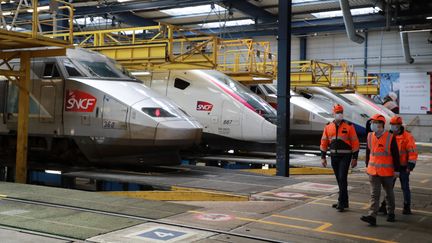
(298, 219)
(424, 181)
(3, 196)
(320, 229)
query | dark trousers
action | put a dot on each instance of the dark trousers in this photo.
(340, 165)
(404, 181)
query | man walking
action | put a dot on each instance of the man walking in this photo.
(382, 160)
(340, 136)
(408, 157)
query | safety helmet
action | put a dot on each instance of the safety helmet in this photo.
(396, 120)
(378, 117)
(338, 108)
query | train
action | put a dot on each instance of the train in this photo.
(84, 109)
(232, 115)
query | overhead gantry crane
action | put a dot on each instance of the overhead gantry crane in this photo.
(24, 27)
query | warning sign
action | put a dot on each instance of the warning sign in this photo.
(214, 217)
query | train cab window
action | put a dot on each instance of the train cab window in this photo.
(253, 88)
(181, 84)
(71, 70)
(258, 91)
(51, 71)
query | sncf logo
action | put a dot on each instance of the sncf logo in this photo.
(78, 101)
(204, 106)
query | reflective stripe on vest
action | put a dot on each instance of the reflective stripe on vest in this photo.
(380, 160)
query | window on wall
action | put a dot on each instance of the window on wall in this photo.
(181, 84)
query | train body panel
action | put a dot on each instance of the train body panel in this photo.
(82, 104)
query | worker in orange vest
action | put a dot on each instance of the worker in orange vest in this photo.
(382, 160)
(408, 157)
(341, 137)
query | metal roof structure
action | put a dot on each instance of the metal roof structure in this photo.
(245, 18)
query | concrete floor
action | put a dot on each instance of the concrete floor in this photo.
(296, 211)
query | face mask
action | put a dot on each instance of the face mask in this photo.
(338, 117)
(394, 128)
(375, 127)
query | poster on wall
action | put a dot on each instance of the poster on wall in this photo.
(389, 82)
(414, 93)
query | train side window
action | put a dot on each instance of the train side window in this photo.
(181, 84)
(51, 71)
(71, 70)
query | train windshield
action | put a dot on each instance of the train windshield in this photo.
(253, 101)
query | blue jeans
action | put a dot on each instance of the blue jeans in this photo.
(340, 165)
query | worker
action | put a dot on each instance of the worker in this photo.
(408, 157)
(390, 102)
(340, 136)
(382, 161)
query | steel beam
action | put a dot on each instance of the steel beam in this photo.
(303, 47)
(283, 84)
(23, 119)
(251, 9)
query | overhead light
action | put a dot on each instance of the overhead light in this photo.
(43, 8)
(6, 13)
(140, 73)
(338, 13)
(122, 1)
(207, 8)
(259, 78)
(228, 23)
(430, 17)
(54, 172)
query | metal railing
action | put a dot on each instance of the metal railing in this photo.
(28, 16)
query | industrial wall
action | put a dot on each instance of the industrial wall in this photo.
(384, 51)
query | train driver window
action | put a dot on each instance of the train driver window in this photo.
(71, 70)
(181, 84)
(51, 71)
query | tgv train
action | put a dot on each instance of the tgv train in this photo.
(356, 109)
(84, 109)
(233, 117)
(307, 119)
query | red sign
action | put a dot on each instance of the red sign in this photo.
(204, 106)
(79, 101)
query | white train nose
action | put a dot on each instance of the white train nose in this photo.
(268, 132)
(178, 132)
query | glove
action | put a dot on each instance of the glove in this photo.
(353, 163)
(324, 162)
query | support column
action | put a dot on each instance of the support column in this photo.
(23, 119)
(303, 48)
(283, 84)
(365, 61)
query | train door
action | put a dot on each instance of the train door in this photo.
(194, 97)
(114, 117)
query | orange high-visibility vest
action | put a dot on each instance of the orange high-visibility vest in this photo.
(380, 160)
(407, 148)
(345, 132)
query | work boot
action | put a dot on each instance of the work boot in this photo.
(335, 205)
(369, 219)
(383, 208)
(340, 208)
(406, 209)
(391, 218)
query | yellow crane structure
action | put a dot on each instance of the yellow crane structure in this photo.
(25, 25)
(164, 47)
